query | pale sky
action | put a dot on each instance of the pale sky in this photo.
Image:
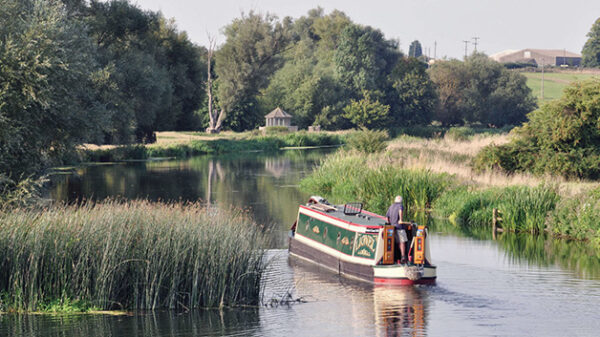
(500, 25)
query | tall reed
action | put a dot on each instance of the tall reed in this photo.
(351, 176)
(133, 255)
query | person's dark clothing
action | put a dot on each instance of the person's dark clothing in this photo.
(393, 214)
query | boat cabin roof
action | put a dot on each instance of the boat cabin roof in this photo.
(364, 218)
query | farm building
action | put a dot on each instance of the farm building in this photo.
(548, 57)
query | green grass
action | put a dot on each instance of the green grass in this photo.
(214, 146)
(554, 83)
(133, 255)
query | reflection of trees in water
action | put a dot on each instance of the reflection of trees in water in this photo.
(542, 250)
(581, 257)
(167, 323)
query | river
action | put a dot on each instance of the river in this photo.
(512, 286)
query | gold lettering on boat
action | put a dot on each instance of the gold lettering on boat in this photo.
(345, 241)
(316, 230)
(366, 241)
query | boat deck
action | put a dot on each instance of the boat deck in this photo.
(363, 218)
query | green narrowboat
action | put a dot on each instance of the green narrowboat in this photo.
(359, 244)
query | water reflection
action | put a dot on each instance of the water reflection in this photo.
(366, 309)
(266, 184)
(197, 323)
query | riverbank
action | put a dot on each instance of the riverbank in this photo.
(434, 175)
(187, 144)
(134, 255)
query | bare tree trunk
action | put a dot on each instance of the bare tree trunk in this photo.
(216, 118)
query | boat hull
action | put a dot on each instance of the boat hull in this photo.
(385, 275)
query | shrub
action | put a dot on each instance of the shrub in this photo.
(368, 141)
(578, 217)
(462, 133)
(562, 138)
(269, 130)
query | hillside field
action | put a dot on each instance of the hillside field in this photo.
(554, 83)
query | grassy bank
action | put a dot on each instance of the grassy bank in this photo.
(133, 255)
(554, 83)
(375, 179)
(183, 145)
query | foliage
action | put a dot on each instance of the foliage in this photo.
(414, 97)
(368, 141)
(591, 49)
(462, 133)
(523, 208)
(562, 137)
(122, 255)
(347, 176)
(48, 100)
(244, 64)
(366, 113)
(480, 90)
(364, 58)
(276, 129)
(578, 217)
(415, 50)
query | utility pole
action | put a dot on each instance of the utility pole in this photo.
(434, 50)
(475, 41)
(542, 93)
(466, 43)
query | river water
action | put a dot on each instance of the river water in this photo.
(512, 286)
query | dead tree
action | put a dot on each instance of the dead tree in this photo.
(216, 117)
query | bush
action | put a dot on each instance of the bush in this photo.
(270, 130)
(578, 217)
(562, 138)
(368, 141)
(462, 133)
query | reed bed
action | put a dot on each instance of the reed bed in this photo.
(524, 209)
(129, 255)
(374, 180)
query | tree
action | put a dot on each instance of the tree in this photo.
(415, 49)
(49, 100)
(562, 137)
(480, 90)
(367, 114)
(244, 64)
(591, 49)
(364, 58)
(414, 93)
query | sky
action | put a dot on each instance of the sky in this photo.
(440, 25)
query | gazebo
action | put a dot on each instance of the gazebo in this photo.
(278, 117)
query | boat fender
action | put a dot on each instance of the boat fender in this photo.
(414, 273)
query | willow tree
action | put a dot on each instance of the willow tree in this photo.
(243, 65)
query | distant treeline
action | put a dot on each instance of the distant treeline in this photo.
(77, 71)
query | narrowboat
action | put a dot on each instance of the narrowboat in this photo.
(359, 244)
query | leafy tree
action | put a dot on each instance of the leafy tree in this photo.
(480, 90)
(591, 49)
(366, 113)
(415, 49)
(244, 64)
(414, 95)
(48, 97)
(364, 58)
(562, 137)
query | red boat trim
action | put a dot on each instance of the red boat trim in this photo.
(403, 281)
(322, 244)
(338, 219)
